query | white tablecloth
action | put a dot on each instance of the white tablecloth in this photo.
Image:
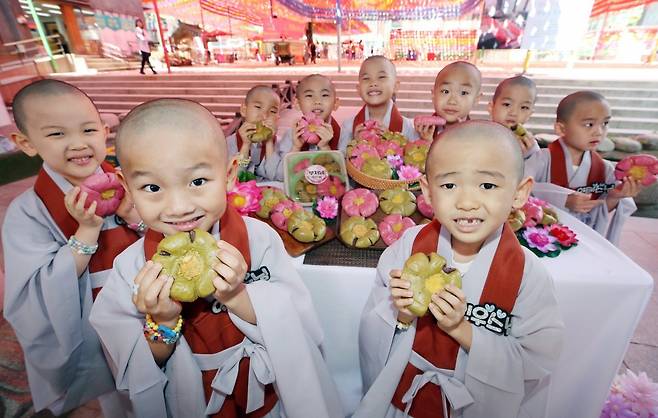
(602, 294)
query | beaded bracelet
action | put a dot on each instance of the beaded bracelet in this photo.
(138, 227)
(244, 162)
(155, 332)
(402, 326)
(80, 247)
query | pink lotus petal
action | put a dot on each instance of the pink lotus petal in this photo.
(282, 211)
(533, 214)
(360, 202)
(388, 148)
(310, 122)
(302, 165)
(362, 152)
(106, 190)
(408, 172)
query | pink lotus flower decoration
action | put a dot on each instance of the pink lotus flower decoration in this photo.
(429, 120)
(361, 153)
(392, 227)
(327, 207)
(371, 132)
(332, 186)
(360, 202)
(302, 165)
(565, 236)
(639, 391)
(538, 202)
(408, 172)
(616, 406)
(540, 239)
(394, 161)
(106, 190)
(388, 148)
(533, 214)
(310, 123)
(245, 197)
(282, 211)
(424, 207)
(642, 167)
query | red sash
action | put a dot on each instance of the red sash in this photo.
(501, 288)
(394, 125)
(209, 333)
(238, 140)
(111, 242)
(559, 168)
(333, 144)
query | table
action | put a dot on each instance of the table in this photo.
(600, 304)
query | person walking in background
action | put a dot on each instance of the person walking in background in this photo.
(314, 50)
(143, 42)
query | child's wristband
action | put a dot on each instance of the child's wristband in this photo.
(81, 248)
(155, 332)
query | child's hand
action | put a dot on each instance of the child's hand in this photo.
(246, 130)
(74, 200)
(152, 296)
(402, 296)
(297, 141)
(231, 269)
(426, 132)
(526, 141)
(582, 202)
(629, 187)
(448, 307)
(271, 123)
(326, 133)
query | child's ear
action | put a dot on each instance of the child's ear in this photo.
(336, 103)
(243, 111)
(23, 143)
(560, 129)
(425, 188)
(122, 180)
(232, 172)
(522, 192)
(295, 104)
(397, 86)
(106, 131)
(490, 109)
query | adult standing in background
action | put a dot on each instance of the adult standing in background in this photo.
(143, 42)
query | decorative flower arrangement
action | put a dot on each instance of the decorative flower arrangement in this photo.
(537, 228)
(309, 124)
(408, 172)
(245, 197)
(326, 207)
(332, 186)
(632, 396)
(106, 190)
(395, 161)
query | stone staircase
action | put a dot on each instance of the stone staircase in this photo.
(634, 103)
(104, 64)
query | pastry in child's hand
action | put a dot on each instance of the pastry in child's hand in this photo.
(261, 134)
(399, 201)
(310, 124)
(188, 258)
(359, 232)
(304, 226)
(106, 190)
(519, 130)
(427, 275)
(429, 120)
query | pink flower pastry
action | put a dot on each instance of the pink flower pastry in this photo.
(106, 190)
(429, 120)
(302, 165)
(386, 148)
(310, 123)
(392, 227)
(361, 153)
(408, 172)
(371, 131)
(641, 167)
(533, 214)
(245, 197)
(327, 207)
(360, 202)
(424, 207)
(332, 186)
(282, 211)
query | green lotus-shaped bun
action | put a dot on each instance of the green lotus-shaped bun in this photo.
(359, 232)
(399, 201)
(262, 133)
(427, 275)
(304, 226)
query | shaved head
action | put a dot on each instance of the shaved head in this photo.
(460, 66)
(519, 80)
(480, 132)
(379, 58)
(299, 89)
(567, 105)
(189, 120)
(259, 88)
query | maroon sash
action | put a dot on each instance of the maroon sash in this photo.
(501, 288)
(239, 142)
(333, 144)
(559, 168)
(394, 125)
(208, 333)
(111, 242)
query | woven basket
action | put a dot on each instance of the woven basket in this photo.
(377, 183)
